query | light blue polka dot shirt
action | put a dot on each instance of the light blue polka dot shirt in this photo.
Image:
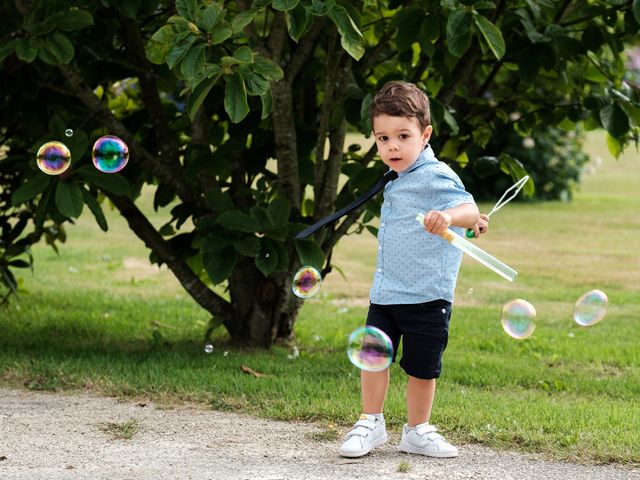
(415, 266)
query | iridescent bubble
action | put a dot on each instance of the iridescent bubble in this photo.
(306, 282)
(53, 158)
(370, 349)
(518, 318)
(208, 348)
(590, 308)
(68, 132)
(110, 154)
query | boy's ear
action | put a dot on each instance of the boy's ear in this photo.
(426, 135)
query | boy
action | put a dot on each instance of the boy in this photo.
(416, 270)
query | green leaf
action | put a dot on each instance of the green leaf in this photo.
(200, 92)
(218, 200)
(208, 18)
(267, 104)
(193, 60)
(266, 68)
(180, 49)
(30, 188)
(279, 211)
(160, 44)
(243, 55)
(614, 146)
(636, 10)
(247, 246)
(310, 253)
(409, 22)
(297, 22)
(237, 220)
(27, 49)
(111, 182)
(459, 32)
(19, 263)
(256, 85)
(59, 46)
(221, 33)
(96, 209)
(7, 49)
(242, 20)
(350, 35)
(69, 199)
(267, 261)
(74, 19)
(491, 35)
(615, 120)
(219, 265)
(235, 98)
(512, 167)
(128, 7)
(187, 9)
(284, 5)
(262, 217)
(283, 258)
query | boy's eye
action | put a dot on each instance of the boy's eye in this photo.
(404, 136)
(383, 138)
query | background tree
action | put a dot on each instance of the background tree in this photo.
(236, 115)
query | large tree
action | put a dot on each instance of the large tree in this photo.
(236, 114)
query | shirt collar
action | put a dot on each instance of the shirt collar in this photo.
(425, 156)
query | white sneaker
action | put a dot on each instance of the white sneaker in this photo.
(367, 433)
(424, 440)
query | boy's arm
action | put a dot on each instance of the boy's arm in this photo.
(465, 215)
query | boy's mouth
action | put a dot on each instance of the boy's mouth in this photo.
(395, 159)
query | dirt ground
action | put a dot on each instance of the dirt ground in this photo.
(59, 436)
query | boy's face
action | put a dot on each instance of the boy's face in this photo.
(399, 140)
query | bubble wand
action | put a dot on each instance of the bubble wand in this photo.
(502, 202)
(473, 251)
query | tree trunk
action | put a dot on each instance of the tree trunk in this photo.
(264, 310)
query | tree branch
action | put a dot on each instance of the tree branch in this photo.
(302, 54)
(165, 137)
(143, 229)
(165, 173)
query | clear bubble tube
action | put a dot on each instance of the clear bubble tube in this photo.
(505, 271)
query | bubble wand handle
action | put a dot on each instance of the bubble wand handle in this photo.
(502, 202)
(476, 253)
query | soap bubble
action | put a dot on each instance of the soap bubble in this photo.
(208, 348)
(590, 308)
(517, 318)
(110, 154)
(68, 132)
(370, 349)
(306, 282)
(53, 158)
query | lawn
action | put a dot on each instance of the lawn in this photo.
(97, 317)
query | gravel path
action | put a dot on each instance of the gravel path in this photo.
(56, 436)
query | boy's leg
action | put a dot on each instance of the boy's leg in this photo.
(369, 431)
(420, 393)
(373, 390)
(426, 332)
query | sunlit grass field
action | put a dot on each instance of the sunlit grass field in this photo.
(97, 317)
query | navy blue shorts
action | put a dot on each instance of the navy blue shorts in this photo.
(424, 329)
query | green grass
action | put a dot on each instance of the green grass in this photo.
(98, 318)
(121, 431)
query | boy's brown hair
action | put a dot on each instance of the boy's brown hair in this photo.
(401, 99)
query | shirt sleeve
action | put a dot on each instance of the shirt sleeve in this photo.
(450, 189)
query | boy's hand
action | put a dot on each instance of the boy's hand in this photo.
(482, 226)
(437, 222)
